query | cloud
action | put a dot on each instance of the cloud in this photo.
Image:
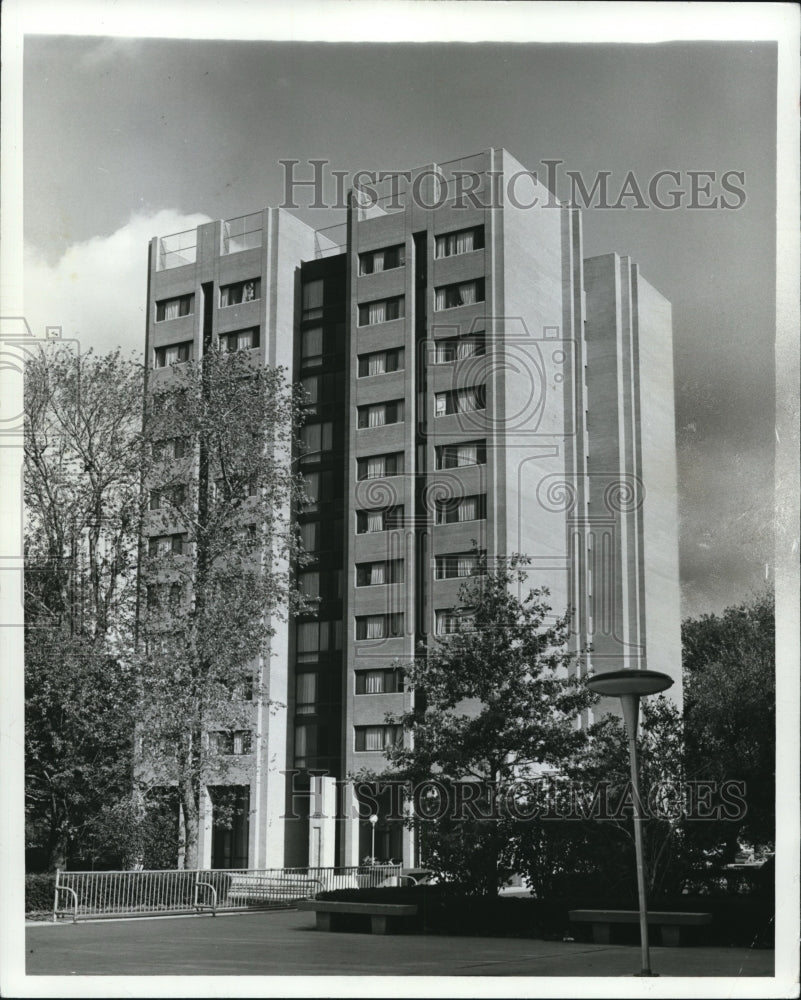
(97, 291)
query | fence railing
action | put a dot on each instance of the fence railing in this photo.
(92, 895)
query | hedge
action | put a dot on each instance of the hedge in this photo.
(39, 892)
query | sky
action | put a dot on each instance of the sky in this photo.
(125, 139)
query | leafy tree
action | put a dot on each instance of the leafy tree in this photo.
(82, 427)
(495, 702)
(730, 715)
(215, 568)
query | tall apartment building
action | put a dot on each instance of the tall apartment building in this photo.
(475, 386)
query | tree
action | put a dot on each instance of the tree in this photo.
(495, 703)
(82, 432)
(215, 566)
(730, 715)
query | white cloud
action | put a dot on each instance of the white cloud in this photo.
(97, 291)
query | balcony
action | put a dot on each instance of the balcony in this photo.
(242, 233)
(177, 249)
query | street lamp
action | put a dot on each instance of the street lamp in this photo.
(630, 686)
(373, 821)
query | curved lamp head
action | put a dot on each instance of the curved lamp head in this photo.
(374, 819)
(618, 683)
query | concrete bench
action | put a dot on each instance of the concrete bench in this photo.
(272, 888)
(670, 924)
(383, 916)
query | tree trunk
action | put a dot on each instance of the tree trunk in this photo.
(191, 812)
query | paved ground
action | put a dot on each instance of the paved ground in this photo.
(286, 943)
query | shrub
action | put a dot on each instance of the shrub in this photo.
(39, 892)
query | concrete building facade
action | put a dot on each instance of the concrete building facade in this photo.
(475, 388)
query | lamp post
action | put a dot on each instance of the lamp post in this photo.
(373, 821)
(630, 686)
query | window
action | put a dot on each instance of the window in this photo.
(382, 311)
(460, 400)
(447, 351)
(311, 387)
(382, 260)
(315, 439)
(316, 637)
(241, 291)
(463, 241)
(458, 565)
(184, 305)
(308, 740)
(241, 340)
(378, 574)
(167, 448)
(377, 466)
(379, 414)
(369, 521)
(311, 346)
(379, 626)
(168, 496)
(164, 545)
(305, 693)
(313, 299)
(454, 456)
(381, 362)
(465, 293)
(309, 535)
(311, 485)
(471, 508)
(310, 584)
(379, 681)
(447, 621)
(376, 738)
(164, 595)
(232, 742)
(173, 354)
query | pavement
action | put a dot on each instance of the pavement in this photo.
(286, 943)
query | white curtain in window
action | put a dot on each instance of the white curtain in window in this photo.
(312, 486)
(467, 293)
(301, 741)
(467, 454)
(308, 637)
(377, 574)
(375, 627)
(375, 467)
(171, 354)
(306, 692)
(464, 242)
(308, 536)
(310, 437)
(440, 298)
(311, 386)
(171, 308)
(375, 520)
(374, 682)
(377, 312)
(374, 738)
(244, 340)
(441, 404)
(464, 565)
(310, 583)
(468, 509)
(376, 364)
(377, 416)
(378, 261)
(313, 342)
(465, 349)
(313, 295)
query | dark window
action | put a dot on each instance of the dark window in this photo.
(379, 414)
(312, 299)
(464, 293)
(378, 574)
(382, 260)
(368, 521)
(379, 681)
(454, 456)
(381, 362)
(381, 311)
(377, 466)
(239, 292)
(375, 739)
(472, 508)
(447, 351)
(379, 626)
(462, 241)
(183, 305)
(173, 354)
(240, 340)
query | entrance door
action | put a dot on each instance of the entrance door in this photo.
(230, 830)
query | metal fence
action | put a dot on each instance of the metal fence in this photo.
(92, 895)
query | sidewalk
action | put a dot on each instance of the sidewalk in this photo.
(285, 943)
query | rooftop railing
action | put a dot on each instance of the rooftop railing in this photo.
(177, 249)
(242, 233)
